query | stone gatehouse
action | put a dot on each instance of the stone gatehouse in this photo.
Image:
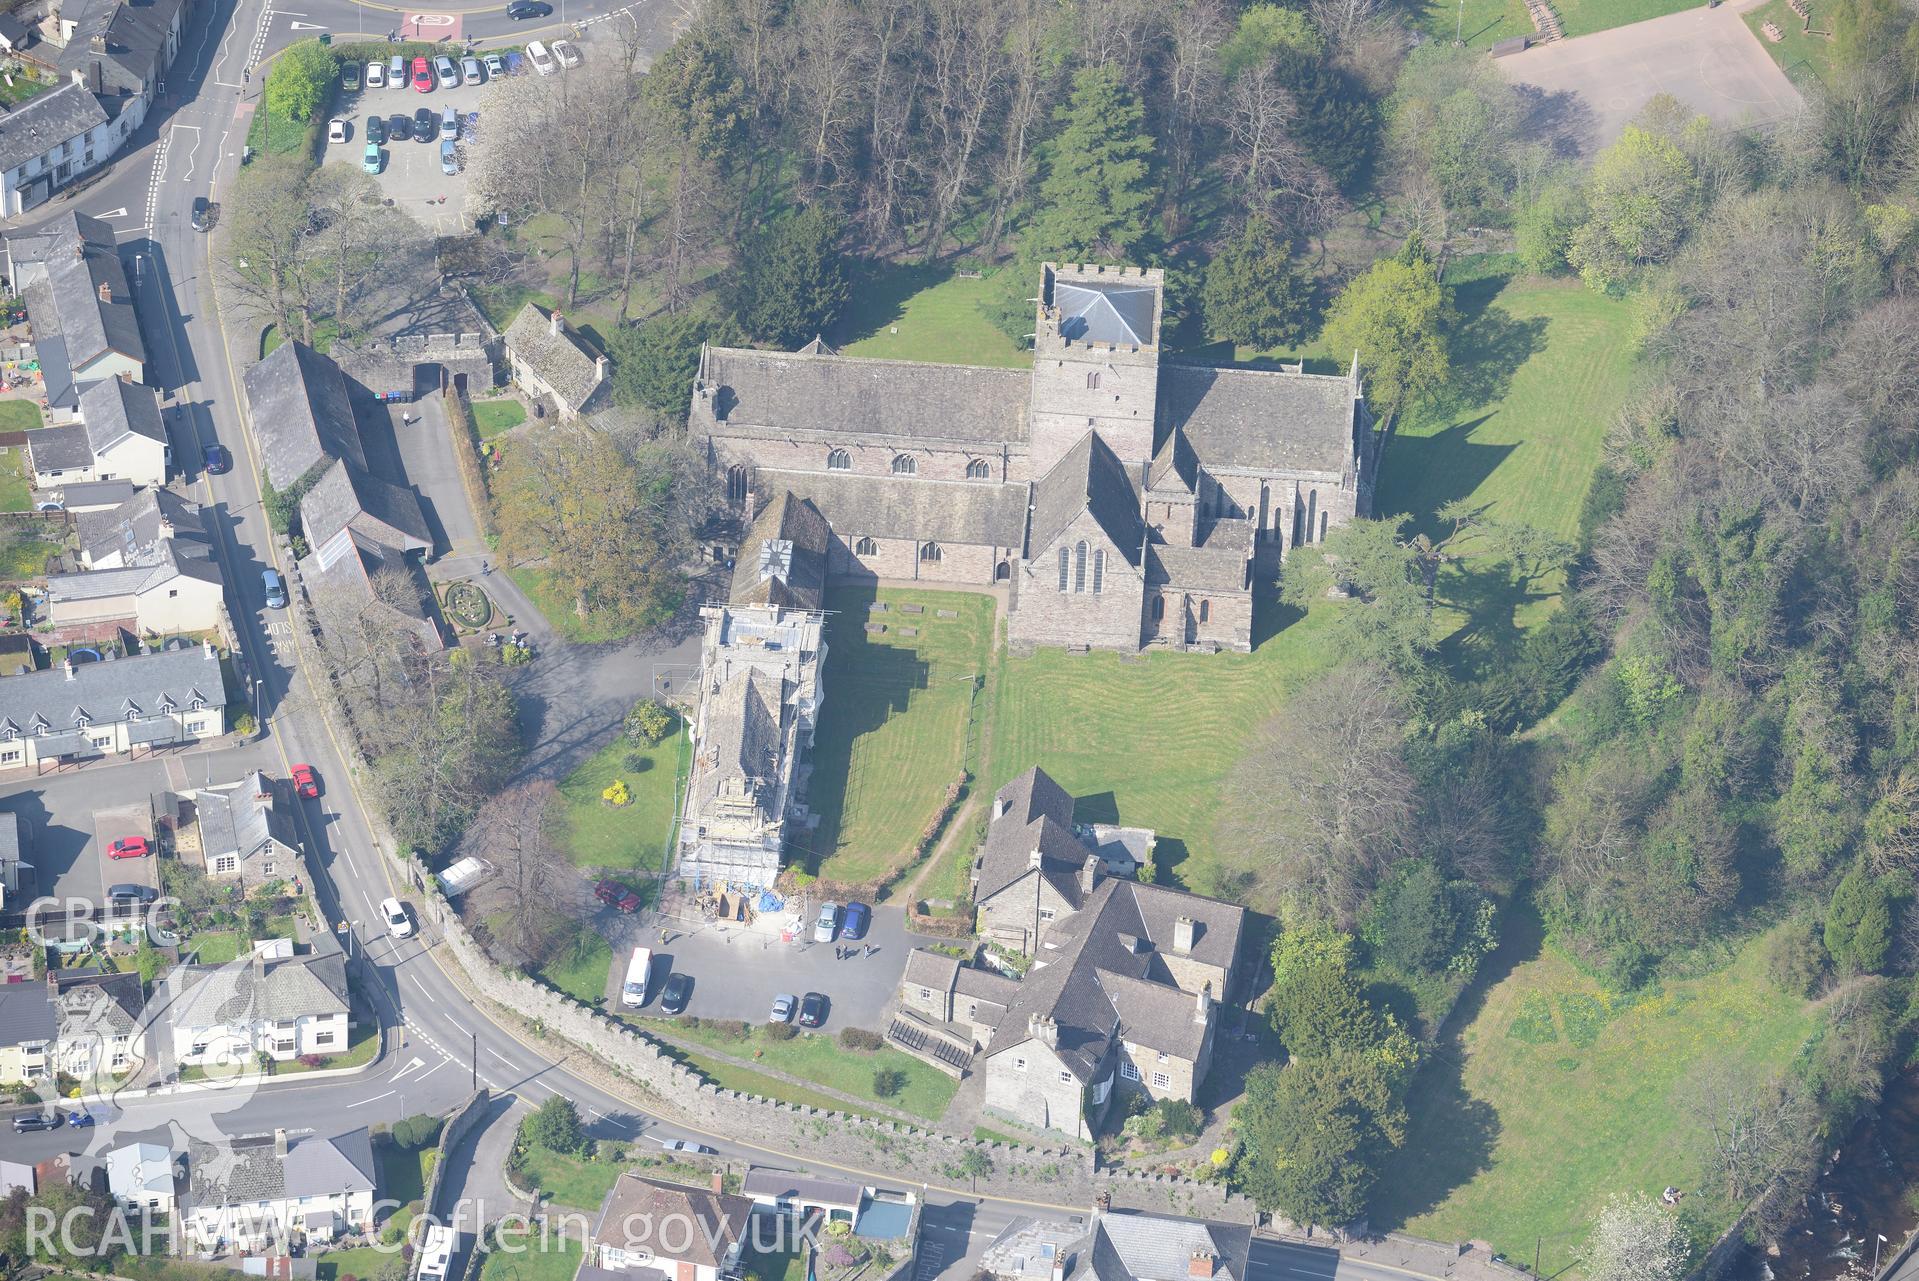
(1125, 499)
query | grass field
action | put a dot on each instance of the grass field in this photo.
(1481, 23)
(16, 495)
(20, 415)
(571, 1180)
(497, 416)
(634, 836)
(557, 609)
(403, 1171)
(893, 733)
(580, 965)
(548, 1258)
(730, 1076)
(924, 313)
(819, 1058)
(1806, 59)
(1554, 1095)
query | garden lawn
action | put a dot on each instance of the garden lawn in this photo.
(925, 313)
(730, 1076)
(403, 1171)
(579, 968)
(1483, 22)
(557, 608)
(571, 1180)
(895, 732)
(543, 1258)
(20, 415)
(1150, 740)
(821, 1059)
(16, 495)
(216, 947)
(1555, 1095)
(499, 415)
(633, 837)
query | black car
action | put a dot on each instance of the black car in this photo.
(812, 1009)
(375, 130)
(217, 460)
(520, 10)
(425, 124)
(205, 214)
(398, 128)
(28, 1122)
(673, 996)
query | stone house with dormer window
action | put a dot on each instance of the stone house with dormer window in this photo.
(114, 707)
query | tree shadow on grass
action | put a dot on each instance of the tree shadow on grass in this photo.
(1488, 345)
(1451, 1135)
(879, 299)
(1421, 474)
(1491, 601)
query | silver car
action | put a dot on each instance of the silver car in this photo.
(446, 72)
(470, 72)
(829, 923)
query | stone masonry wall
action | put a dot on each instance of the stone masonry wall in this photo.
(893, 1150)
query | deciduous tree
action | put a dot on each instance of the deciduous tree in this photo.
(1636, 1239)
(1394, 316)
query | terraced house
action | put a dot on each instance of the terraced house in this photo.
(1123, 499)
(125, 706)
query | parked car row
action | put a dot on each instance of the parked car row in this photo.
(546, 61)
(849, 925)
(425, 74)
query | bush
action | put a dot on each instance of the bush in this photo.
(649, 722)
(731, 1029)
(1795, 959)
(781, 1031)
(415, 1132)
(858, 1038)
(888, 1081)
(555, 1126)
(1179, 1118)
(301, 80)
(312, 1060)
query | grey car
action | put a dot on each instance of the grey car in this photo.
(783, 1006)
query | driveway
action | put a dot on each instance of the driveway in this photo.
(426, 456)
(737, 972)
(1587, 89)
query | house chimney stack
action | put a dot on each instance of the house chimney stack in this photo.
(1184, 933)
(280, 1144)
(1034, 859)
(1089, 873)
(599, 367)
(1043, 1030)
(98, 43)
(999, 807)
(553, 324)
(106, 292)
(719, 1183)
(1200, 1265)
(1203, 1007)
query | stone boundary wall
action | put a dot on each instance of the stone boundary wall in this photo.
(455, 1128)
(890, 1150)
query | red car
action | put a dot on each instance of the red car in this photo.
(422, 75)
(617, 895)
(129, 847)
(305, 781)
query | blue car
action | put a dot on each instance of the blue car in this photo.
(853, 924)
(218, 461)
(79, 1120)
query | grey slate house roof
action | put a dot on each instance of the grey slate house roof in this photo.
(1106, 311)
(88, 496)
(135, 39)
(66, 268)
(96, 1001)
(1220, 566)
(10, 851)
(841, 396)
(792, 572)
(348, 496)
(784, 1185)
(174, 561)
(26, 1014)
(60, 448)
(560, 357)
(309, 986)
(36, 125)
(241, 819)
(1030, 813)
(351, 576)
(13, 32)
(1089, 477)
(1153, 1247)
(940, 511)
(257, 1169)
(114, 409)
(744, 738)
(141, 684)
(133, 533)
(137, 1170)
(301, 413)
(1103, 970)
(1257, 420)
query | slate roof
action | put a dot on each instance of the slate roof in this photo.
(846, 396)
(785, 1185)
(347, 495)
(59, 448)
(241, 818)
(1153, 1247)
(107, 691)
(798, 570)
(44, 120)
(114, 409)
(9, 837)
(88, 1000)
(78, 255)
(650, 1215)
(930, 970)
(1037, 814)
(743, 738)
(135, 34)
(1103, 967)
(563, 360)
(352, 575)
(301, 413)
(1206, 569)
(942, 511)
(1106, 312)
(86, 498)
(292, 987)
(250, 1170)
(168, 560)
(134, 533)
(1260, 420)
(1088, 477)
(26, 1013)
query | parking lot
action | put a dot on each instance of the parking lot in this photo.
(737, 972)
(410, 171)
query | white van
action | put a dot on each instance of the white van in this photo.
(639, 975)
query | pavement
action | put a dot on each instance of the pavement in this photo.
(1587, 89)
